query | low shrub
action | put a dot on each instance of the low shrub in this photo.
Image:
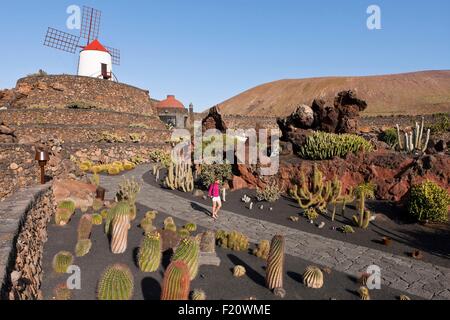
(323, 146)
(429, 202)
(210, 172)
(441, 125)
(390, 137)
(271, 192)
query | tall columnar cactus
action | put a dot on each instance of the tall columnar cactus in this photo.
(275, 263)
(119, 234)
(149, 255)
(180, 177)
(363, 191)
(120, 208)
(116, 283)
(413, 141)
(85, 227)
(176, 282)
(61, 261)
(188, 251)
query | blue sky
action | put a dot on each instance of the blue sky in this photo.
(205, 51)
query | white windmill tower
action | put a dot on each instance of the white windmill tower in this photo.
(95, 59)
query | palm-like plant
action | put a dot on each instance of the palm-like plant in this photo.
(364, 191)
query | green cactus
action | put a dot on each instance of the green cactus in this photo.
(347, 229)
(275, 263)
(188, 251)
(85, 227)
(104, 214)
(151, 214)
(198, 294)
(67, 204)
(364, 191)
(171, 227)
(61, 261)
(83, 247)
(147, 225)
(168, 220)
(116, 283)
(176, 282)
(128, 192)
(191, 227)
(149, 255)
(64, 212)
(311, 214)
(232, 240)
(97, 219)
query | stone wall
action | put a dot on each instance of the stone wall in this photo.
(58, 91)
(74, 117)
(23, 231)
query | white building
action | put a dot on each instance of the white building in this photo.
(95, 61)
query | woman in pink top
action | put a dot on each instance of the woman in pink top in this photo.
(214, 193)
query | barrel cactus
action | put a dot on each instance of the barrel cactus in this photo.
(171, 227)
(149, 255)
(61, 261)
(191, 227)
(83, 247)
(313, 277)
(64, 212)
(188, 251)
(97, 219)
(275, 263)
(147, 225)
(262, 251)
(120, 208)
(183, 233)
(239, 271)
(119, 235)
(176, 282)
(97, 204)
(168, 220)
(85, 227)
(116, 283)
(198, 294)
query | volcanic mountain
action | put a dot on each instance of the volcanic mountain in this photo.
(415, 93)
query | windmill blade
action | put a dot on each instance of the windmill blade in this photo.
(90, 23)
(61, 40)
(115, 54)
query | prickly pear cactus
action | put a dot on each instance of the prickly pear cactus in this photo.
(275, 263)
(116, 283)
(149, 255)
(188, 251)
(176, 282)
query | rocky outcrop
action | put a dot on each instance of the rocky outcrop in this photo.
(339, 116)
(214, 121)
(7, 134)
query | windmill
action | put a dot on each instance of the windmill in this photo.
(95, 59)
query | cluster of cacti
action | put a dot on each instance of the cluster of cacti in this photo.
(239, 271)
(61, 292)
(198, 294)
(83, 247)
(364, 293)
(364, 191)
(116, 283)
(85, 227)
(413, 141)
(191, 227)
(61, 261)
(313, 277)
(128, 191)
(270, 193)
(113, 168)
(64, 212)
(149, 255)
(97, 219)
(180, 177)
(188, 251)
(275, 263)
(262, 251)
(177, 282)
(97, 204)
(317, 194)
(322, 145)
(232, 240)
(160, 156)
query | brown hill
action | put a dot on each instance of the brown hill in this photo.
(409, 93)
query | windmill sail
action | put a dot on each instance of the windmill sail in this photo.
(61, 40)
(90, 24)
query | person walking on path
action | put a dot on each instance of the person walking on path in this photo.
(214, 193)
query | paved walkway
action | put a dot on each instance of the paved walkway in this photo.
(414, 277)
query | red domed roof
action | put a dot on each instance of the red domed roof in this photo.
(170, 102)
(96, 46)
